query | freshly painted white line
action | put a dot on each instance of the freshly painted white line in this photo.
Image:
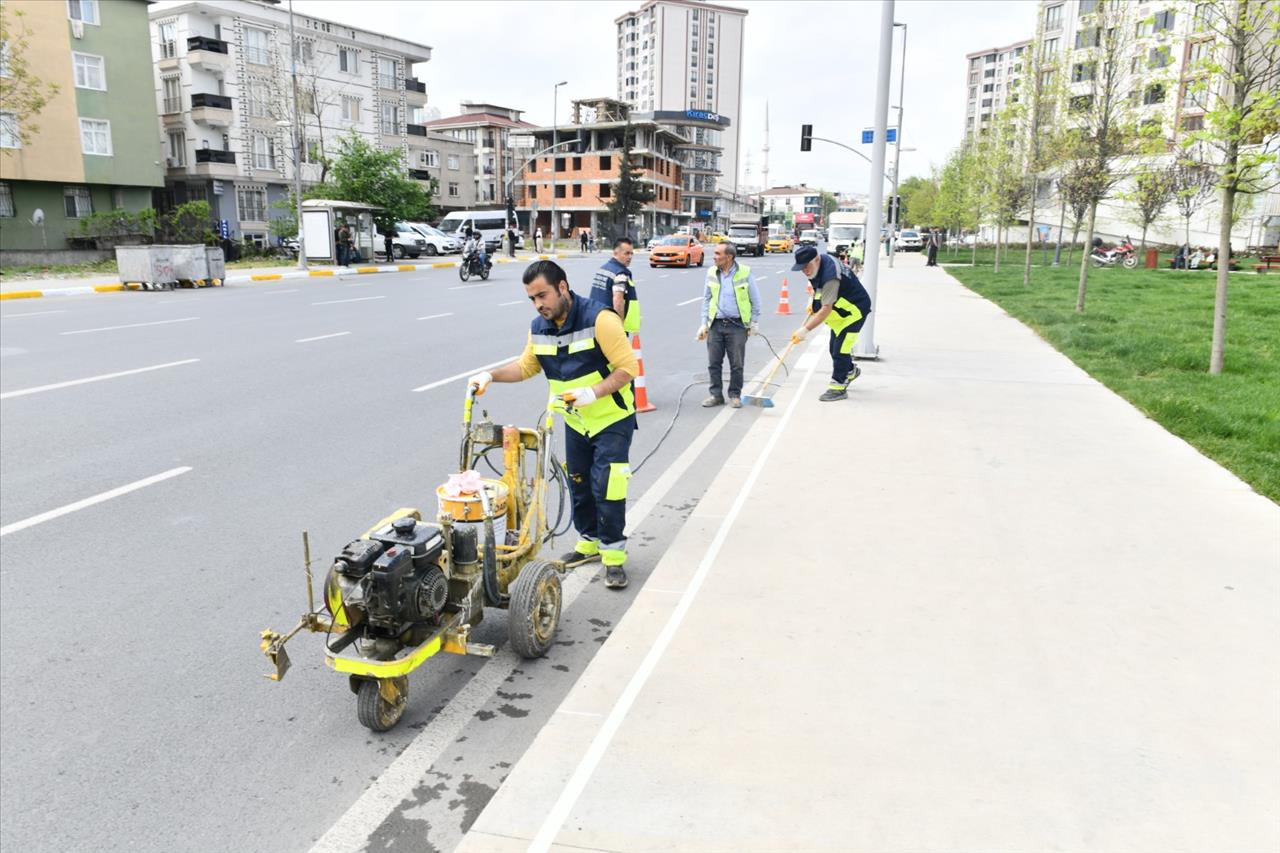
(88, 502)
(472, 286)
(352, 830)
(578, 713)
(320, 337)
(436, 316)
(273, 292)
(463, 375)
(688, 301)
(359, 284)
(555, 819)
(56, 385)
(30, 314)
(512, 302)
(665, 275)
(663, 591)
(129, 326)
(341, 301)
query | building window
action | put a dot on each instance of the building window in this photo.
(9, 137)
(255, 46)
(256, 98)
(1163, 20)
(264, 151)
(172, 87)
(252, 203)
(95, 136)
(606, 163)
(1053, 18)
(987, 88)
(577, 190)
(390, 119)
(85, 11)
(606, 190)
(168, 39)
(90, 72)
(1153, 95)
(306, 49)
(1050, 47)
(453, 189)
(1082, 71)
(387, 75)
(560, 191)
(177, 148)
(1087, 7)
(1158, 57)
(350, 108)
(453, 162)
(76, 202)
(6, 201)
(348, 60)
(1088, 37)
(1188, 123)
(429, 159)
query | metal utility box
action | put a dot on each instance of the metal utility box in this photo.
(146, 265)
(189, 262)
(217, 263)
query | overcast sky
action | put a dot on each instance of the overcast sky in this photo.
(815, 62)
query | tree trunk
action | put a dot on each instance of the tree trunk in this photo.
(1224, 270)
(1186, 267)
(1075, 234)
(1031, 227)
(997, 266)
(1142, 248)
(1084, 258)
(973, 260)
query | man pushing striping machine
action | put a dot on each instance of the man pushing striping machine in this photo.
(839, 301)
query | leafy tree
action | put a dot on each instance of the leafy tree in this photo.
(829, 203)
(1237, 84)
(629, 194)
(1044, 135)
(23, 94)
(960, 204)
(1151, 193)
(918, 196)
(1075, 187)
(1193, 182)
(368, 175)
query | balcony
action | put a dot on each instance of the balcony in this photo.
(415, 92)
(215, 163)
(420, 174)
(212, 110)
(416, 129)
(208, 54)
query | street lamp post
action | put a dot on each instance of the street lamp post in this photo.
(897, 148)
(297, 143)
(555, 139)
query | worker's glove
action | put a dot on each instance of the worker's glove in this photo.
(799, 334)
(753, 329)
(480, 382)
(702, 332)
(579, 397)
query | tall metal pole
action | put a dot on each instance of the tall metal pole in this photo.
(897, 146)
(555, 138)
(297, 143)
(866, 346)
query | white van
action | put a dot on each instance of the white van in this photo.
(438, 242)
(490, 223)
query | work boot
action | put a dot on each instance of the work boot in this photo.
(735, 402)
(583, 553)
(834, 392)
(615, 577)
(712, 401)
(857, 371)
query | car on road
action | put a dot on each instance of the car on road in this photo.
(781, 243)
(809, 237)
(653, 243)
(438, 242)
(405, 242)
(909, 241)
(679, 250)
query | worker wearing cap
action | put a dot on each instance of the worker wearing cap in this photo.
(581, 347)
(839, 301)
(615, 287)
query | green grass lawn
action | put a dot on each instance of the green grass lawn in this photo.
(1146, 335)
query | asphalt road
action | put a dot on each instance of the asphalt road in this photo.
(132, 702)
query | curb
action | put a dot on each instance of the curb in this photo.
(117, 287)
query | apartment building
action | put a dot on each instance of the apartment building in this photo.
(223, 90)
(93, 147)
(583, 182)
(791, 206)
(993, 80)
(486, 129)
(685, 56)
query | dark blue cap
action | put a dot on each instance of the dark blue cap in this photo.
(804, 255)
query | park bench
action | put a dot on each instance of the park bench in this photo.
(1268, 262)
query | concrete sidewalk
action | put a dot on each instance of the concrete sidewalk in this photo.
(984, 605)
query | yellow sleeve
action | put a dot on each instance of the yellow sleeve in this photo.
(528, 362)
(613, 342)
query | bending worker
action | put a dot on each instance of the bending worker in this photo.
(615, 287)
(840, 301)
(730, 312)
(580, 346)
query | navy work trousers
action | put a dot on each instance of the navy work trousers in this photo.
(588, 460)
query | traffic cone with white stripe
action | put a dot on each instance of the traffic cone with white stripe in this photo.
(642, 395)
(784, 300)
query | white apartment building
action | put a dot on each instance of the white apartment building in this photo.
(225, 99)
(993, 80)
(487, 128)
(686, 56)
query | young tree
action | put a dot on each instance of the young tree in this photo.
(365, 174)
(829, 203)
(1043, 134)
(949, 204)
(1151, 193)
(1075, 187)
(1237, 84)
(1193, 182)
(629, 195)
(23, 94)
(962, 198)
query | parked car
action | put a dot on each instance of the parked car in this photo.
(406, 242)
(909, 241)
(438, 242)
(781, 243)
(677, 250)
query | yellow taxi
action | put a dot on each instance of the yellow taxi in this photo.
(781, 243)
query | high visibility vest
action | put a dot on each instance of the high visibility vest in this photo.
(631, 308)
(853, 302)
(741, 293)
(571, 357)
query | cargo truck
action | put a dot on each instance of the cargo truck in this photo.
(844, 229)
(746, 233)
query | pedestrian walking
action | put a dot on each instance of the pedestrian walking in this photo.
(537, 240)
(595, 379)
(388, 242)
(730, 314)
(839, 301)
(344, 245)
(591, 241)
(614, 285)
(856, 252)
(582, 238)
(935, 242)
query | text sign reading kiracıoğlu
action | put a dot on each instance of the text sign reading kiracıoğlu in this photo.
(869, 135)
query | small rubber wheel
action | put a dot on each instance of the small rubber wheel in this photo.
(380, 702)
(463, 272)
(534, 610)
(484, 273)
(1130, 262)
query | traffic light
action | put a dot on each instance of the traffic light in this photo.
(895, 209)
(511, 209)
(806, 137)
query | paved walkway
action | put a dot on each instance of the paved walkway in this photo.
(1003, 612)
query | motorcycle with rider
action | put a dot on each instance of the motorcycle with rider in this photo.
(475, 259)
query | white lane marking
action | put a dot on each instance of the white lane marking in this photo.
(320, 337)
(512, 302)
(88, 502)
(665, 275)
(274, 292)
(30, 314)
(56, 385)
(436, 316)
(352, 831)
(472, 286)
(356, 299)
(663, 591)
(687, 301)
(578, 713)
(129, 326)
(586, 767)
(359, 284)
(463, 375)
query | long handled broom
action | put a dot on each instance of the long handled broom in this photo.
(760, 398)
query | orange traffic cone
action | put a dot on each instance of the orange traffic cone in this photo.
(642, 395)
(784, 300)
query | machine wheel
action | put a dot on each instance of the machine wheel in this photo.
(463, 272)
(484, 272)
(534, 610)
(397, 252)
(431, 250)
(1131, 262)
(380, 702)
